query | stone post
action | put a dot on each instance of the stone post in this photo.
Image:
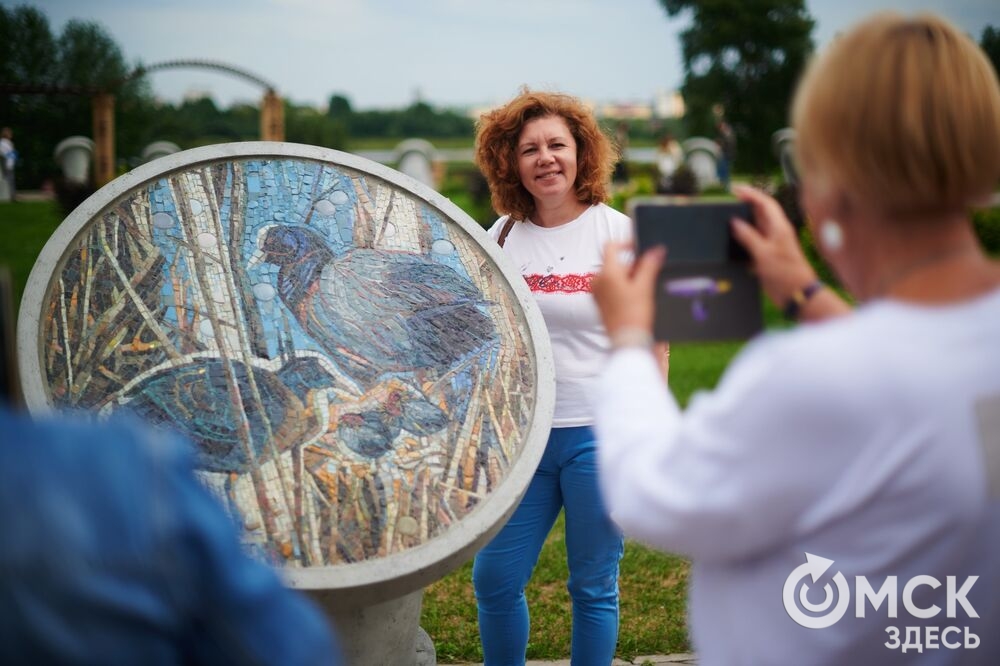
(272, 117)
(103, 105)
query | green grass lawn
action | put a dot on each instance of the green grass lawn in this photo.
(24, 228)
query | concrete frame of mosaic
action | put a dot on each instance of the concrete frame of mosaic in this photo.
(367, 380)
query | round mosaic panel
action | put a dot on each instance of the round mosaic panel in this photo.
(356, 366)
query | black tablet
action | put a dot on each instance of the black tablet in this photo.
(706, 290)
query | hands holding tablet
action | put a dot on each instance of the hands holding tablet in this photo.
(779, 262)
(628, 295)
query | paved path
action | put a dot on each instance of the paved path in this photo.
(646, 660)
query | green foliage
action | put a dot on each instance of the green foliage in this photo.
(89, 56)
(745, 56)
(27, 47)
(987, 225)
(647, 132)
(466, 187)
(990, 43)
(682, 182)
(339, 107)
(307, 125)
(418, 120)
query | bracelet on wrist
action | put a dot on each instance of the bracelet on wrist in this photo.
(800, 297)
(631, 336)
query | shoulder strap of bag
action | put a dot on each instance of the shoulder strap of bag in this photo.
(508, 225)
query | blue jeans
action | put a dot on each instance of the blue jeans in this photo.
(566, 478)
(722, 170)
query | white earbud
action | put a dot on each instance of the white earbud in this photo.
(831, 236)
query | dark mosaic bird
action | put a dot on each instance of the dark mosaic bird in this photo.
(376, 311)
(414, 414)
(196, 400)
(371, 431)
(366, 433)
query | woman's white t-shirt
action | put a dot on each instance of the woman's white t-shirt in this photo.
(558, 264)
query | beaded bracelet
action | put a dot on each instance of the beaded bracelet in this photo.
(800, 297)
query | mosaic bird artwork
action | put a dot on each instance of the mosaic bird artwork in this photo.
(376, 311)
(207, 399)
(353, 395)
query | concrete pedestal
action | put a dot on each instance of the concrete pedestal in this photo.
(382, 633)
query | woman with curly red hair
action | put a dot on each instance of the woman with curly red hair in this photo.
(548, 165)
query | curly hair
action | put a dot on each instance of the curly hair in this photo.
(498, 131)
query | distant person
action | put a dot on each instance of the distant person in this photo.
(547, 163)
(8, 162)
(725, 139)
(862, 449)
(112, 553)
(669, 157)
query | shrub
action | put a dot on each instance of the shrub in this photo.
(69, 194)
(986, 222)
(682, 181)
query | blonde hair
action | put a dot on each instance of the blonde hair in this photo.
(903, 114)
(498, 131)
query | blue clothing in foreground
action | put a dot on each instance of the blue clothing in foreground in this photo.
(566, 476)
(112, 553)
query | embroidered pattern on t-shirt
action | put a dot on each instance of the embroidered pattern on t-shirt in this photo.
(572, 283)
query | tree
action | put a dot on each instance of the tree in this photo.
(27, 48)
(90, 57)
(990, 43)
(746, 57)
(339, 107)
(28, 54)
(83, 56)
(304, 124)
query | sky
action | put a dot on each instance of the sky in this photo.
(449, 53)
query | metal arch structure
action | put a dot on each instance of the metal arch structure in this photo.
(52, 89)
(272, 110)
(204, 64)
